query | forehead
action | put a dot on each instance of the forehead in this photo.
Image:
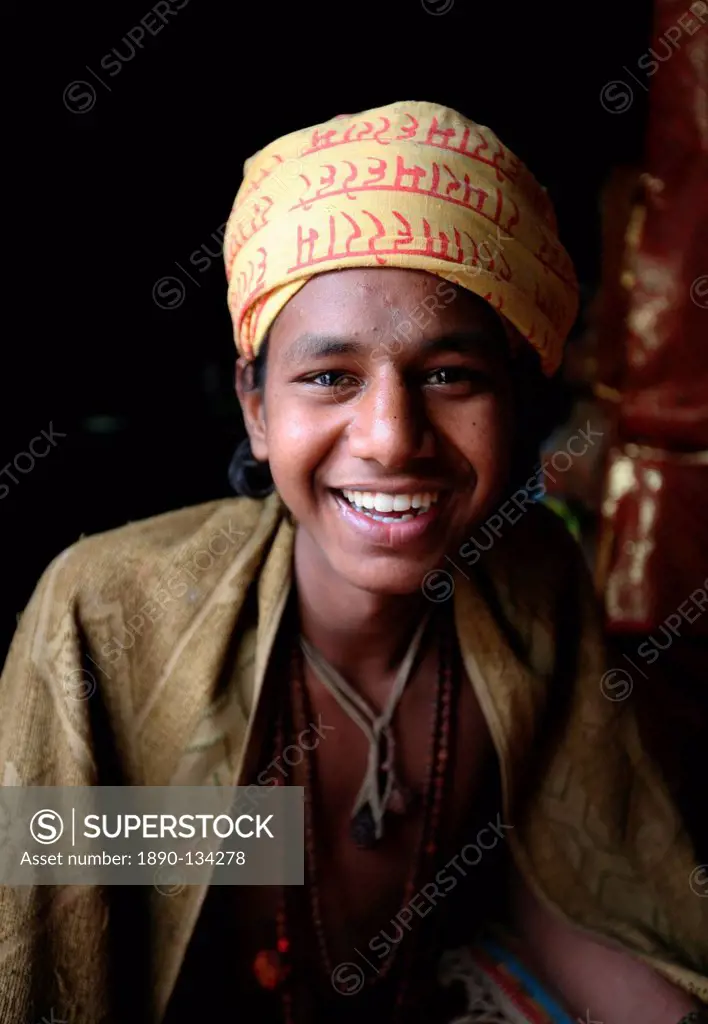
(364, 303)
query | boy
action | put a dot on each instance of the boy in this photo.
(396, 286)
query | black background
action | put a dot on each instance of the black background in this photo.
(103, 204)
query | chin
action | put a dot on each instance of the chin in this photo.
(383, 576)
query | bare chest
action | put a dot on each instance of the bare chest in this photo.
(361, 890)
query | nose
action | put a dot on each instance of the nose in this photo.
(389, 424)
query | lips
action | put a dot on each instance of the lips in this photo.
(390, 507)
(394, 529)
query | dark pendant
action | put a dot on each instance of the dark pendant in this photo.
(363, 828)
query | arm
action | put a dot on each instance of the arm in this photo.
(597, 982)
(598, 835)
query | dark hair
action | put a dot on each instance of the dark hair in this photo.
(249, 477)
(541, 404)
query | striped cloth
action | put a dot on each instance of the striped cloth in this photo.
(499, 988)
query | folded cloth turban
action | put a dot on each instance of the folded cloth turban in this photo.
(411, 185)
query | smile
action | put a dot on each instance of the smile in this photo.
(389, 520)
(383, 507)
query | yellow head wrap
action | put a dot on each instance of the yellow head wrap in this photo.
(407, 185)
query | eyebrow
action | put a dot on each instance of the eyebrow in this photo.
(318, 346)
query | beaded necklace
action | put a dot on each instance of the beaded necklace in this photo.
(274, 968)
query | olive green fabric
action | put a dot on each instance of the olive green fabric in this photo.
(140, 659)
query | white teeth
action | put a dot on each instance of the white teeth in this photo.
(380, 501)
(383, 502)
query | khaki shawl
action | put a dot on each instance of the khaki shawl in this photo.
(195, 598)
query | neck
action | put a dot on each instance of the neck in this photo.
(361, 634)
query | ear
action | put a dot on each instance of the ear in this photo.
(253, 408)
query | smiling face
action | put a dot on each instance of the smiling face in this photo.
(386, 420)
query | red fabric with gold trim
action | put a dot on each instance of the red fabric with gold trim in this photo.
(656, 507)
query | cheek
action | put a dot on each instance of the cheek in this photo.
(486, 431)
(489, 452)
(297, 442)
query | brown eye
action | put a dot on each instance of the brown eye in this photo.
(456, 375)
(336, 384)
(334, 379)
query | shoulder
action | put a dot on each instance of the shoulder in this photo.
(536, 552)
(153, 601)
(537, 581)
(147, 550)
